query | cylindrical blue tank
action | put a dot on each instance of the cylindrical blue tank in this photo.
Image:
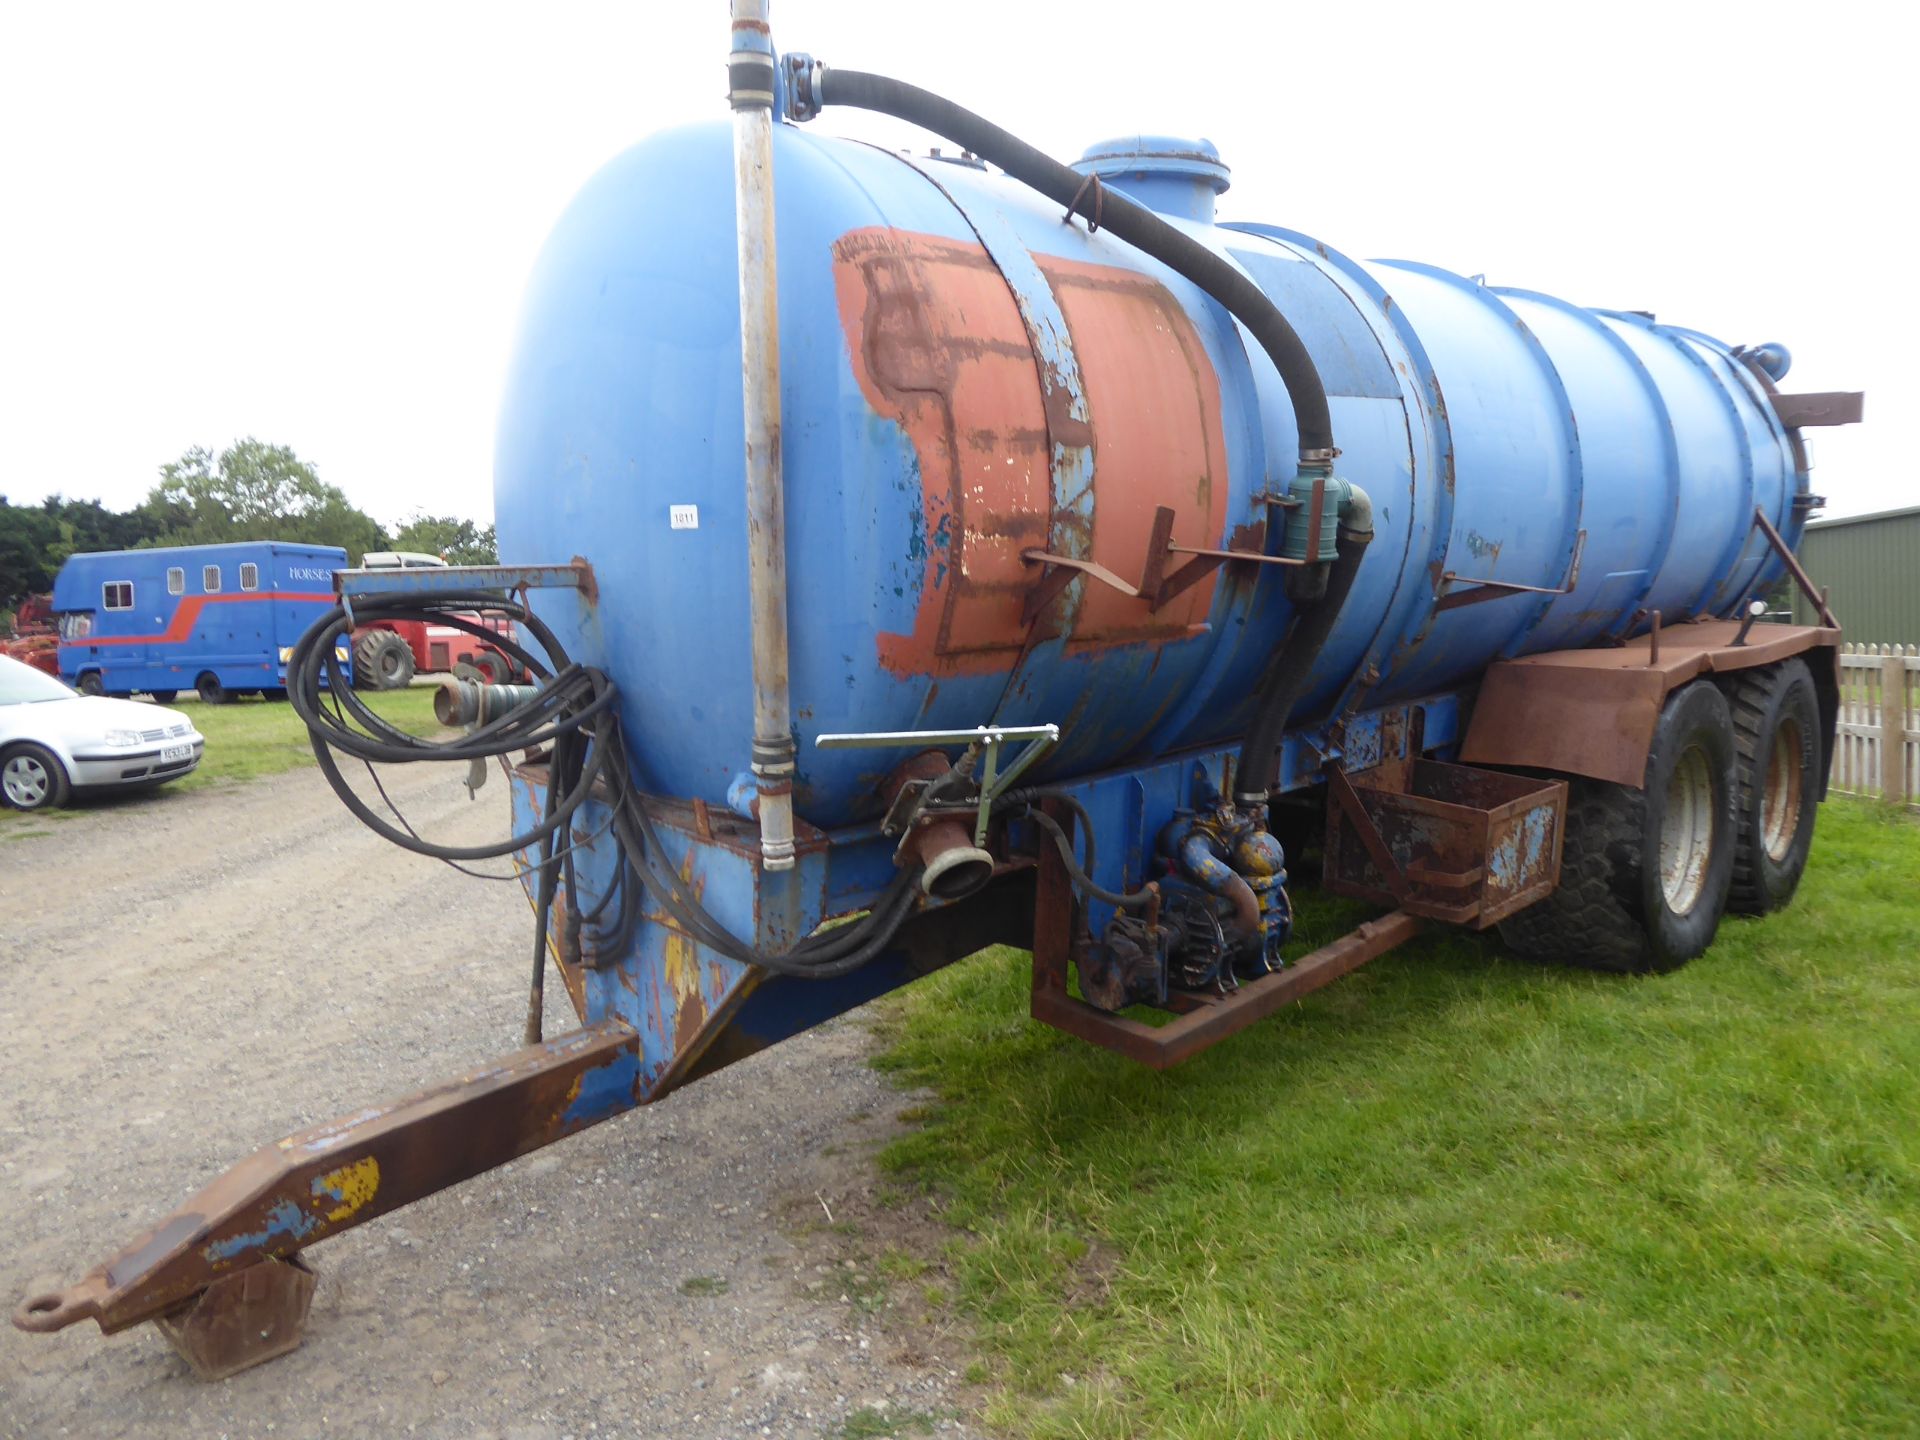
(967, 377)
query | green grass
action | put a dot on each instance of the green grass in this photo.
(871, 1423)
(249, 739)
(246, 740)
(1456, 1194)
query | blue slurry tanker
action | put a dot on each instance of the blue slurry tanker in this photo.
(916, 553)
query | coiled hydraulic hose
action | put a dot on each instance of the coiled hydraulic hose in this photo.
(574, 716)
(1131, 222)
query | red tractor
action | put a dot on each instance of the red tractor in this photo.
(389, 653)
(36, 635)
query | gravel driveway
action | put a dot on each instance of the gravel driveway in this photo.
(186, 976)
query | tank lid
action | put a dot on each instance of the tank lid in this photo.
(1156, 155)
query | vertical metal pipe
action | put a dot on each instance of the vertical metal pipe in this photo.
(750, 91)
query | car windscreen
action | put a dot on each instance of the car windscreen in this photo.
(22, 684)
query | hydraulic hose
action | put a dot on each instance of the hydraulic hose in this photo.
(1133, 223)
(574, 716)
(1292, 665)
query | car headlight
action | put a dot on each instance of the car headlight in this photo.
(123, 737)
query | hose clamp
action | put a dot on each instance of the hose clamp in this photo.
(804, 74)
(750, 65)
(772, 759)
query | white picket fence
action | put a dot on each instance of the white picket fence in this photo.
(1877, 750)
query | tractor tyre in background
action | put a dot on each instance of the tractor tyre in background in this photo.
(1776, 730)
(210, 690)
(1644, 874)
(382, 661)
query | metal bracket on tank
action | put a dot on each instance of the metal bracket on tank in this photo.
(983, 747)
(441, 579)
(1816, 595)
(1451, 599)
(1156, 586)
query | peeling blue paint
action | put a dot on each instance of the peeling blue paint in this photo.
(285, 1221)
(1503, 863)
(605, 1090)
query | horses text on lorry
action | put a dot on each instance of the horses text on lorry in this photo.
(1079, 572)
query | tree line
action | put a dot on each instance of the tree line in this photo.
(249, 491)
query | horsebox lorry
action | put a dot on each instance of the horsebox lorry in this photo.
(217, 619)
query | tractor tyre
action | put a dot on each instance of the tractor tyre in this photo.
(1644, 874)
(1776, 730)
(382, 661)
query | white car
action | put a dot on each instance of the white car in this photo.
(54, 741)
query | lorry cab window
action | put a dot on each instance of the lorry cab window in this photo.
(176, 580)
(210, 579)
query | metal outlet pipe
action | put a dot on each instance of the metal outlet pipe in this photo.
(750, 88)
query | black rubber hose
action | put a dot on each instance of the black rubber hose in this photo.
(1138, 900)
(1290, 670)
(821, 956)
(1026, 796)
(573, 714)
(1135, 224)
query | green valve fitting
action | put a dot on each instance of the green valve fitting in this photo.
(1319, 547)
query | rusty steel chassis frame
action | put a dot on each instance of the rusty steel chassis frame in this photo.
(222, 1276)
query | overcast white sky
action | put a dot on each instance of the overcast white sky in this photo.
(312, 223)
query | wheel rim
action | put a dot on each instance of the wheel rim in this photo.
(1780, 798)
(26, 781)
(1686, 831)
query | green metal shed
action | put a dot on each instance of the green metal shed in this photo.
(1872, 565)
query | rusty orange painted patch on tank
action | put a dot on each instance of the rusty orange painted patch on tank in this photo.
(1154, 402)
(938, 346)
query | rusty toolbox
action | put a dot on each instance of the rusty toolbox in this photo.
(1446, 842)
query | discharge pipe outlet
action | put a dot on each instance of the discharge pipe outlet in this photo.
(750, 90)
(951, 865)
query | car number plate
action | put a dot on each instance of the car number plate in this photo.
(176, 752)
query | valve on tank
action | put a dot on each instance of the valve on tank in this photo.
(931, 804)
(940, 810)
(1221, 915)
